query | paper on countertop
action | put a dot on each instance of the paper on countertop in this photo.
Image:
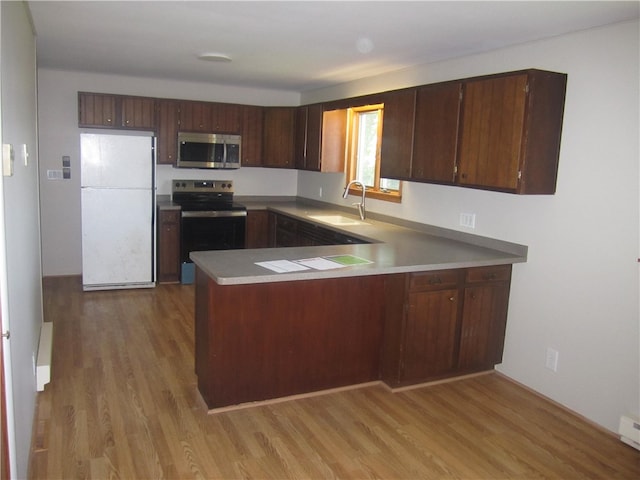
(320, 263)
(317, 263)
(282, 266)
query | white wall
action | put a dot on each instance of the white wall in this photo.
(59, 135)
(22, 294)
(579, 290)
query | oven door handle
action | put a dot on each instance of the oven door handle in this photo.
(212, 213)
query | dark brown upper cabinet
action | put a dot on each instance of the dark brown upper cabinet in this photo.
(278, 141)
(334, 141)
(139, 112)
(495, 132)
(252, 136)
(196, 116)
(435, 136)
(320, 139)
(510, 131)
(397, 134)
(300, 140)
(210, 117)
(167, 131)
(226, 118)
(115, 111)
(97, 110)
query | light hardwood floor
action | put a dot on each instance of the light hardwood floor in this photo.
(123, 404)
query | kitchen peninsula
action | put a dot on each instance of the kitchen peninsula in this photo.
(427, 304)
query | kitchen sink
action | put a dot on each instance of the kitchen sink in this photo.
(337, 220)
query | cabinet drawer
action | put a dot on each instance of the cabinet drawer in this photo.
(286, 223)
(497, 273)
(435, 280)
(169, 216)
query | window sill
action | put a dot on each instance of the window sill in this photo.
(395, 197)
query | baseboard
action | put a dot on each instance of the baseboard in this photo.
(45, 347)
(595, 425)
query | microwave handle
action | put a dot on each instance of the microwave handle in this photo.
(224, 154)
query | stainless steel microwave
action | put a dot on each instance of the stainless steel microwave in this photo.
(208, 150)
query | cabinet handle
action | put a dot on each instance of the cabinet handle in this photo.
(435, 281)
(490, 276)
(452, 299)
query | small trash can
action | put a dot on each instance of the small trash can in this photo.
(188, 273)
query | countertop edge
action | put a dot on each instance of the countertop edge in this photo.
(345, 273)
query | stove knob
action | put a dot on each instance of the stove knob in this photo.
(177, 184)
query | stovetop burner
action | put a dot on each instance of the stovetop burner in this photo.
(202, 195)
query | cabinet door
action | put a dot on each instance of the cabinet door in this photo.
(251, 136)
(436, 133)
(195, 116)
(225, 118)
(138, 112)
(278, 138)
(484, 318)
(257, 232)
(493, 111)
(334, 141)
(430, 335)
(314, 136)
(300, 140)
(168, 246)
(397, 134)
(308, 137)
(96, 110)
(167, 141)
(285, 231)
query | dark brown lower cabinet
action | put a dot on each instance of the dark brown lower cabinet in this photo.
(168, 260)
(430, 334)
(268, 340)
(484, 318)
(257, 231)
(444, 323)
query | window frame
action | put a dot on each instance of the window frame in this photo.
(352, 147)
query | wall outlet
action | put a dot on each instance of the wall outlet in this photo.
(551, 361)
(468, 220)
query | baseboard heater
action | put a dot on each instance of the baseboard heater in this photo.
(43, 364)
(629, 430)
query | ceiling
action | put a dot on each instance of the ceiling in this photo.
(296, 46)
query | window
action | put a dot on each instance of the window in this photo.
(365, 138)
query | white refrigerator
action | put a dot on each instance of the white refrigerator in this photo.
(118, 211)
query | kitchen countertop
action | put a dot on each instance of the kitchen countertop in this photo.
(396, 246)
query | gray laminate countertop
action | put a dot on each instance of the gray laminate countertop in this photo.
(396, 247)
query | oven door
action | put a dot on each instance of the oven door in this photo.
(211, 230)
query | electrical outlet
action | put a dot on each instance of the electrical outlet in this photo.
(551, 361)
(468, 220)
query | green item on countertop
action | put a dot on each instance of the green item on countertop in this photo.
(348, 259)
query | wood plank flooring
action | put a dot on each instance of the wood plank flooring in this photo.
(123, 404)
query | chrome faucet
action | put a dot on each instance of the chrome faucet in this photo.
(360, 205)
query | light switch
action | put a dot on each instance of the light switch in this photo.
(7, 159)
